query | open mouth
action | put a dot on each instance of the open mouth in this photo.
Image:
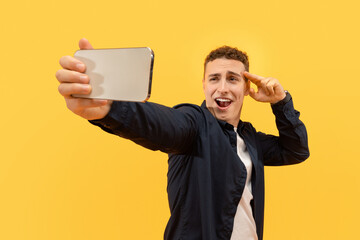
(223, 102)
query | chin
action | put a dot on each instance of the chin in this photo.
(222, 117)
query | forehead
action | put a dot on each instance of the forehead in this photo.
(222, 65)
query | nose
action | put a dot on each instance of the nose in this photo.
(223, 86)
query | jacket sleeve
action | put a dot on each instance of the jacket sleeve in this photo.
(153, 126)
(291, 146)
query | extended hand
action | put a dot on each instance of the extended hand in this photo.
(269, 89)
(73, 81)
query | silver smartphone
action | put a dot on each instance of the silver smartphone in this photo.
(121, 74)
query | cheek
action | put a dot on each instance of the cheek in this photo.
(239, 93)
(209, 91)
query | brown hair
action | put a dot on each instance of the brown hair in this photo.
(228, 53)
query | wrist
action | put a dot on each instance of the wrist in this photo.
(284, 100)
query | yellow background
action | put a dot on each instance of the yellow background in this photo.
(62, 178)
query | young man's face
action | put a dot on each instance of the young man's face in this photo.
(225, 87)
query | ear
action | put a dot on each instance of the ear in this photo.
(203, 83)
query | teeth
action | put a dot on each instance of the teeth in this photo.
(222, 100)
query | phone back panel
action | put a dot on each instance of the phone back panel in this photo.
(122, 74)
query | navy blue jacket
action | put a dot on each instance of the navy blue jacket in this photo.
(206, 178)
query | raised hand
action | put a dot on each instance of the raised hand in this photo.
(268, 89)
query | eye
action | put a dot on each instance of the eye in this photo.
(233, 78)
(213, 79)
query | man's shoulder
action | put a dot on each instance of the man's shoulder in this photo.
(190, 107)
(186, 105)
(193, 111)
(201, 107)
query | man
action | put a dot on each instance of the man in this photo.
(216, 161)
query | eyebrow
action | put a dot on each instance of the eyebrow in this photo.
(228, 72)
(234, 73)
(214, 75)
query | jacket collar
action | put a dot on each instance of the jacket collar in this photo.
(224, 124)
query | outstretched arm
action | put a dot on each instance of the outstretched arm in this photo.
(154, 126)
(151, 125)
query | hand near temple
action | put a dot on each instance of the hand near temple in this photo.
(269, 89)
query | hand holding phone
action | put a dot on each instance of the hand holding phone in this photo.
(73, 81)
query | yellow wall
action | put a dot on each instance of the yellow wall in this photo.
(62, 178)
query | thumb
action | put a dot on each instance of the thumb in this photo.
(253, 94)
(85, 44)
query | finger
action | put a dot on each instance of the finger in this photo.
(253, 94)
(253, 78)
(67, 89)
(71, 63)
(85, 44)
(270, 87)
(78, 104)
(265, 86)
(67, 76)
